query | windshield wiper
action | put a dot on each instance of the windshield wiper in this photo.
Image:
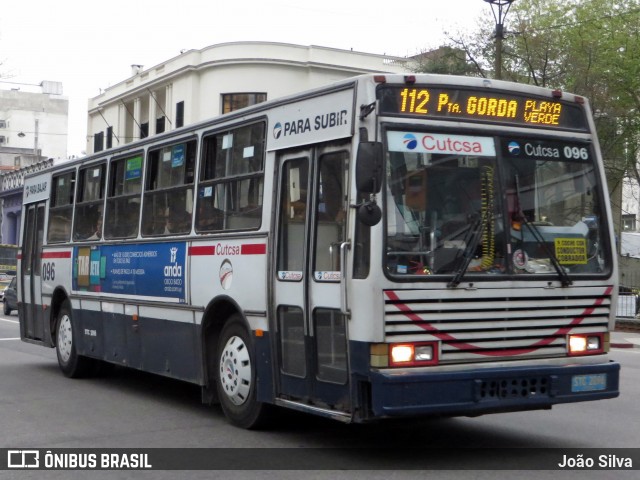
(471, 241)
(537, 235)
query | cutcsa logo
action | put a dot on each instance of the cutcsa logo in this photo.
(514, 148)
(410, 141)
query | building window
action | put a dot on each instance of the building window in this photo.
(144, 130)
(235, 101)
(3, 124)
(160, 125)
(109, 137)
(629, 222)
(3, 139)
(98, 142)
(179, 114)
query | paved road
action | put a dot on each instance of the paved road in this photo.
(41, 408)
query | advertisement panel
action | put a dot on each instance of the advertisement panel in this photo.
(152, 271)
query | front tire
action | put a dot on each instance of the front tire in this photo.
(236, 376)
(6, 309)
(71, 364)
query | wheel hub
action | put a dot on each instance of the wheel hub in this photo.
(65, 338)
(235, 371)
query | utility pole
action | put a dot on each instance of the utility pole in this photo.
(500, 8)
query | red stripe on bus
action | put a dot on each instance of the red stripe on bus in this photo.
(196, 251)
(56, 255)
(248, 249)
(253, 249)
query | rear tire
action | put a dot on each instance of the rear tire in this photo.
(236, 376)
(71, 364)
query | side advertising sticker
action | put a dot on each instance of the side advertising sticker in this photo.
(155, 271)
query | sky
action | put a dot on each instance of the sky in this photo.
(91, 45)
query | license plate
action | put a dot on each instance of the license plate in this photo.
(589, 383)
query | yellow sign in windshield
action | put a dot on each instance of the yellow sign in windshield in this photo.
(571, 251)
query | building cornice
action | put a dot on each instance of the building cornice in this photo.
(167, 71)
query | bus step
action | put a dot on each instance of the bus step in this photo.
(323, 412)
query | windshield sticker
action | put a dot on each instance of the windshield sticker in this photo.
(441, 144)
(571, 251)
(520, 259)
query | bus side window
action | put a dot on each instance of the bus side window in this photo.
(88, 214)
(231, 184)
(168, 193)
(61, 210)
(122, 212)
(331, 210)
(293, 214)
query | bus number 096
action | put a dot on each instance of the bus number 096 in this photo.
(576, 153)
(48, 271)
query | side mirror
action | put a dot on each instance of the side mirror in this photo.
(369, 214)
(369, 167)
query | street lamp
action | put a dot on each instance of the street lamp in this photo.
(500, 8)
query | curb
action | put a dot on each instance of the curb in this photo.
(626, 325)
(624, 345)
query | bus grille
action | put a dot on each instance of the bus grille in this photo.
(486, 325)
(512, 388)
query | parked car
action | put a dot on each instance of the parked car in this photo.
(10, 297)
(5, 279)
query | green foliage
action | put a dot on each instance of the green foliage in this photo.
(444, 60)
(587, 47)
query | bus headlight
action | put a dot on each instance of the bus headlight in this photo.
(413, 354)
(585, 344)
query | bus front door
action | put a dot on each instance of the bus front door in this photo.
(33, 319)
(311, 236)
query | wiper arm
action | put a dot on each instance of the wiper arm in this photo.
(475, 233)
(564, 277)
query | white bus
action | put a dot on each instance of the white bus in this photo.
(387, 246)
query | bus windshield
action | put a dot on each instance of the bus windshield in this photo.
(459, 205)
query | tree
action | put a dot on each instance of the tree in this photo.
(444, 60)
(587, 47)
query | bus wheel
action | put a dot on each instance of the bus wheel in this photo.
(236, 376)
(71, 364)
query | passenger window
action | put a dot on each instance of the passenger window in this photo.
(231, 184)
(88, 217)
(168, 197)
(61, 210)
(122, 213)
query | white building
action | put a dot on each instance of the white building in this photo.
(33, 125)
(200, 84)
(33, 129)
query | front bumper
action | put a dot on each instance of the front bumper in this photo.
(396, 394)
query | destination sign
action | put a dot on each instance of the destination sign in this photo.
(546, 150)
(481, 105)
